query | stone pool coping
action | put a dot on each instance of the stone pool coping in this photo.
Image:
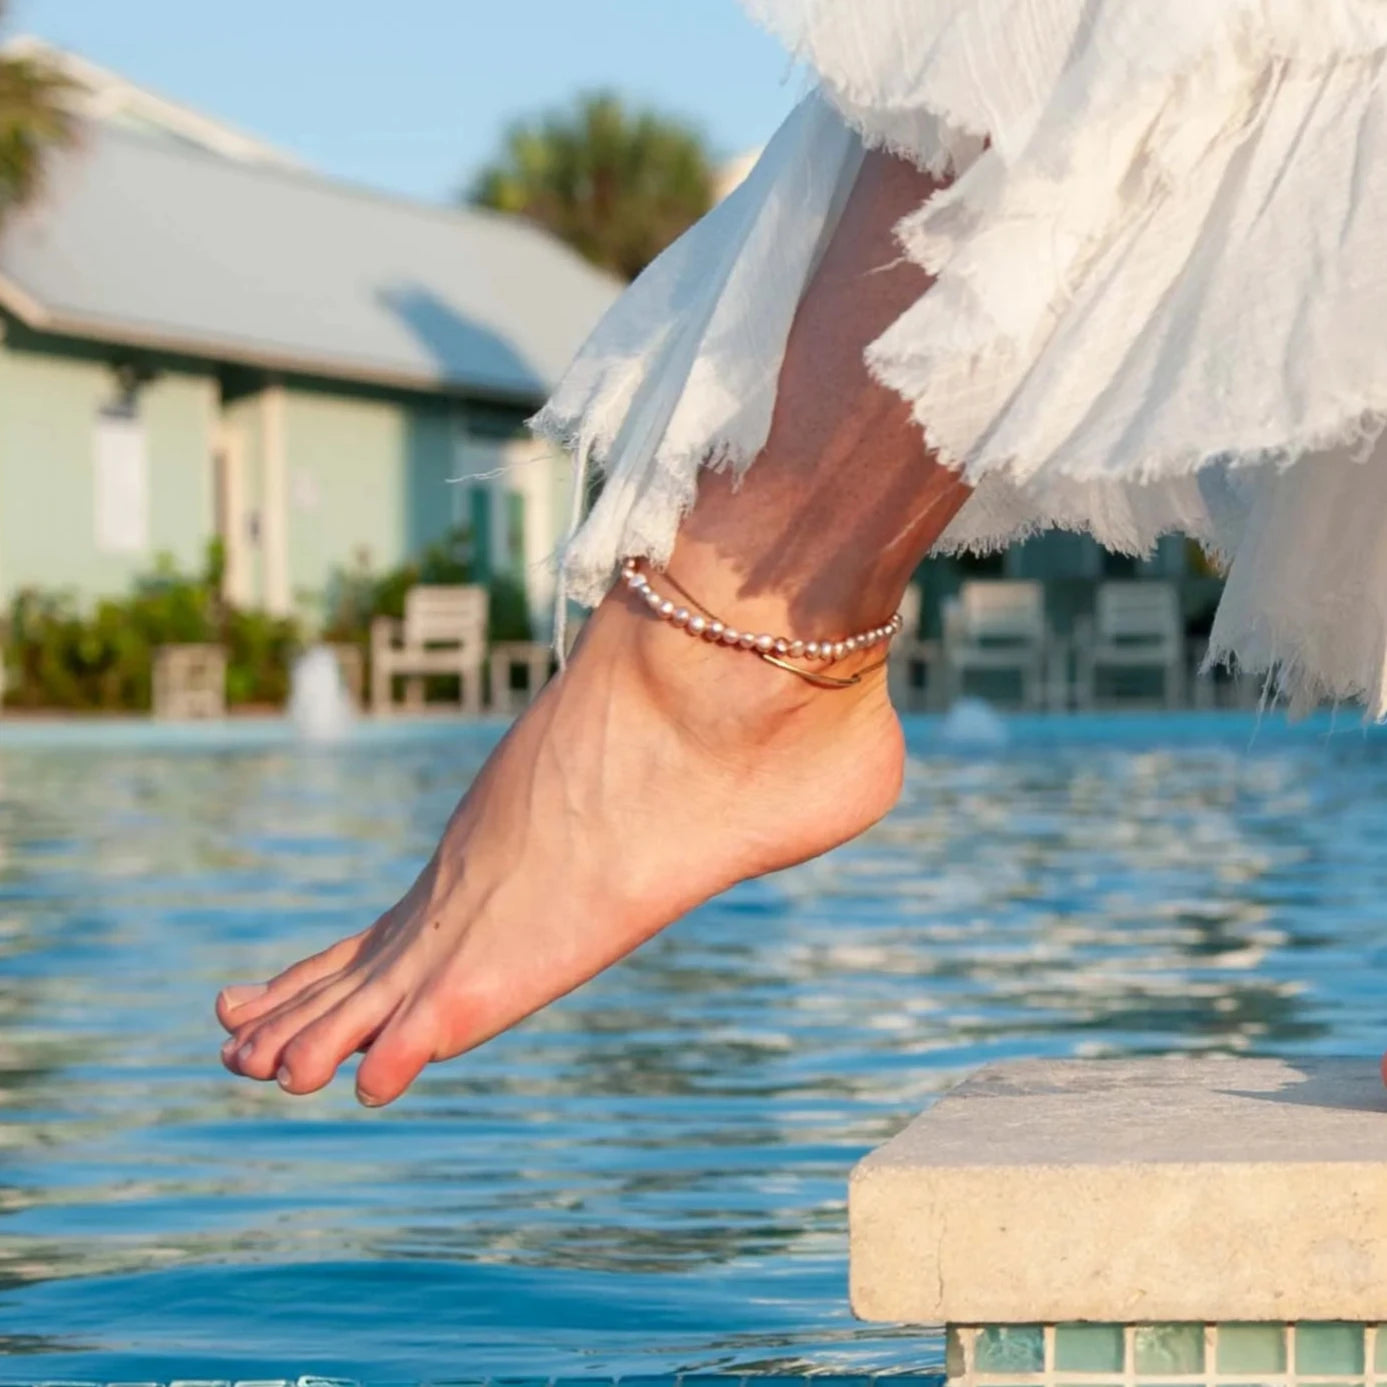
(1131, 1191)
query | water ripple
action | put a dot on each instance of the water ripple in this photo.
(649, 1177)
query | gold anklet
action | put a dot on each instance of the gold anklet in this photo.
(775, 650)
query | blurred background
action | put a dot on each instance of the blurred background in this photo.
(280, 285)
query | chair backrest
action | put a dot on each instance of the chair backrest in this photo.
(911, 601)
(451, 615)
(1003, 610)
(1137, 612)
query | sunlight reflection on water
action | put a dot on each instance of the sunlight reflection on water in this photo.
(651, 1175)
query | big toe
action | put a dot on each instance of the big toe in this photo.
(233, 998)
(241, 1003)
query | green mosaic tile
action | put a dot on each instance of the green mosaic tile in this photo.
(1322, 1349)
(1380, 1355)
(1010, 1348)
(1252, 1348)
(1168, 1348)
(1089, 1348)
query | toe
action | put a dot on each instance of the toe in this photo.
(311, 1058)
(408, 1042)
(242, 1003)
(256, 1048)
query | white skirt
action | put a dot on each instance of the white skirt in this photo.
(1160, 298)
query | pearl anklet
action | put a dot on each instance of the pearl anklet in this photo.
(775, 650)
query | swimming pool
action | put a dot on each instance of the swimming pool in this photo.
(651, 1176)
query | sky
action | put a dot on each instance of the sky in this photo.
(414, 95)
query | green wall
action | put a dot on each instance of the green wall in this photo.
(368, 472)
(49, 404)
(367, 481)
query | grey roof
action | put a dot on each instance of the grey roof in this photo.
(142, 241)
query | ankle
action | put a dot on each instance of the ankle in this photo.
(724, 697)
(839, 605)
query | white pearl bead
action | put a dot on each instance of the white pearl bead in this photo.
(850, 644)
(782, 647)
(812, 650)
(715, 630)
(839, 650)
(697, 625)
(748, 641)
(765, 644)
(796, 649)
(681, 616)
(666, 609)
(653, 599)
(730, 636)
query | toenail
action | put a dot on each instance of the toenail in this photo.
(229, 1048)
(284, 1078)
(246, 1051)
(239, 993)
(367, 1101)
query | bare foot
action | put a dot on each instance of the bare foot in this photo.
(655, 773)
(659, 770)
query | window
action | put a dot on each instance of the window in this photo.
(121, 482)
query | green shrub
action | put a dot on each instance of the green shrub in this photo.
(62, 655)
(58, 655)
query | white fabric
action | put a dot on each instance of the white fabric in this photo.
(1160, 299)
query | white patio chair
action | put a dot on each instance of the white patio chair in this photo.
(997, 625)
(909, 652)
(536, 658)
(1135, 625)
(443, 632)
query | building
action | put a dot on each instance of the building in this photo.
(201, 338)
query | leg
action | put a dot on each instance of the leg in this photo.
(659, 770)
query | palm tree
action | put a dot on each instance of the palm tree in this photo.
(616, 186)
(34, 118)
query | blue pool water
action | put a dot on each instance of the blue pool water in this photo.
(650, 1176)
